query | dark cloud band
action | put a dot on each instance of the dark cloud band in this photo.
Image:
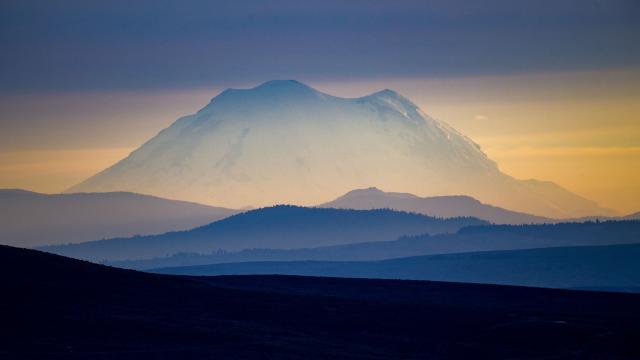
(76, 45)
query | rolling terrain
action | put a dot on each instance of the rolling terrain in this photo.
(612, 268)
(469, 239)
(60, 308)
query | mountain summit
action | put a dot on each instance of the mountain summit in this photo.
(285, 142)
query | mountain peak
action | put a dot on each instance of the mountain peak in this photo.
(268, 91)
(262, 95)
(282, 84)
(366, 191)
(374, 192)
(386, 93)
(393, 98)
(287, 87)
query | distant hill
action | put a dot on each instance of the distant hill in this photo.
(471, 239)
(59, 308)
(635, 216)
(613, 267)
(440, 206)
(278, 227)
(30, 219)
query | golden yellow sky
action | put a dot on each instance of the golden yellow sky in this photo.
(579, 129)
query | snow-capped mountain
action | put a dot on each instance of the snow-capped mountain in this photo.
(285, 142)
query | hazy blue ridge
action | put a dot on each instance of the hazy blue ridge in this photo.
(278, 227)
(611, 268)
(467, 239)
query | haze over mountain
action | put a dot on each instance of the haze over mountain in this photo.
(284, 142)
(439, 206)
(32, 219)
(279, 227)
(612, 268)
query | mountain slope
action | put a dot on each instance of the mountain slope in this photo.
(279, 227)
(32, 219)
(439, 206)
(58, 308)
(284, 142)
(613, 267)
(474, 239)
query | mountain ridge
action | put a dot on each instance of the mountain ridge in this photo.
(467, 239)
(439, 206)
(281, 227)
(611, 267)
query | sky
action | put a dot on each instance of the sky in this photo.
(549, 89)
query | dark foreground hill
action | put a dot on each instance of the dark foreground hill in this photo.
(31, 219)
(611, 268)
(470, 239)
(279, 227)
(58, 308)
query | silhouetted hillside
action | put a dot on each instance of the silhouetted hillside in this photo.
(613, 267)
(59, 308)
(31, 219)
(471, 239)
(439, 206)
(275, 227)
